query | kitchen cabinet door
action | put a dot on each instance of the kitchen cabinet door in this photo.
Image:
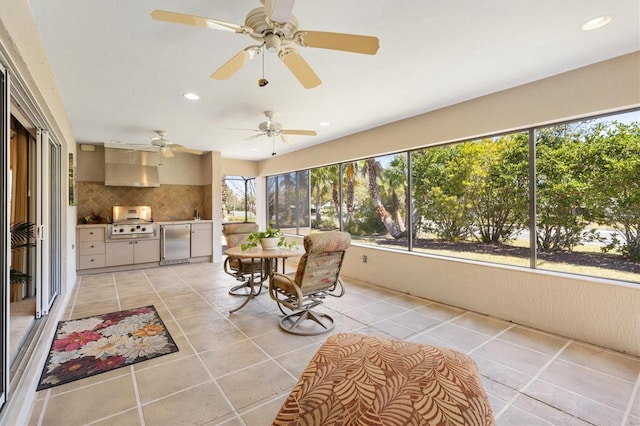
(201, 239)
(132, 252)
(119, 253)
(146, 251)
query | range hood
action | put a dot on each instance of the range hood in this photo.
(125, 167)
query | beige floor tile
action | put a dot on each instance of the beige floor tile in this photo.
(500, 373)
(202, 307)
(171, 377)
(191, 299)
(295, 362)
(482, 324)
(91, 403)
(594, 385)
(585, 409)
(196, 406)
(383, 310)
(408, 302)
(207, 340)
(199, 321)
(546, 412)
(440, 311)
(256, 324)
(517, 357)
(460, 337)
(264, 414)
(393, 329)
(256, 384)
(279, 342)
(618, 365)
(536, 340)
(415, 320)
(129, 417)
(226, 359)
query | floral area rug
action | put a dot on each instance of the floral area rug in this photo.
(93, 345)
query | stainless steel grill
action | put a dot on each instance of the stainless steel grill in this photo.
(132, 222)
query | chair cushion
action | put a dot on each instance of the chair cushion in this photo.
(327, 241)
(359, 379)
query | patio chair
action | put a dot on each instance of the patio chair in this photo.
(235, 234)
(317, 276)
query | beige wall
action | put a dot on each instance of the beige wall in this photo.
(598, 311)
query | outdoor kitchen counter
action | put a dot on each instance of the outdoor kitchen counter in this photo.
(179, 221)
(97, 252)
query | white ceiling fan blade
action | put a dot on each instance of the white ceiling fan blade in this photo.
(186, 150)
(299, 67)
(338, 41)
(279, 10)
(234, 64)
(199, 21)
(254, 136)
(299, 132)
(129, 146)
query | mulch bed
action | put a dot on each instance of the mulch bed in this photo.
(600, 260)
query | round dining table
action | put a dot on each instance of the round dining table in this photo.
(269, 262)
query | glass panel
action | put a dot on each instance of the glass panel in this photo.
(588, 197)
(4, 247)
(239, 199)
(375, 204)
(471, 199)
(325, 198)
(55, 223)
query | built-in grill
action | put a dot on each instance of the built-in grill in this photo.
(132, 222)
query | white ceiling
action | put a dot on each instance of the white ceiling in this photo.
(122, 75)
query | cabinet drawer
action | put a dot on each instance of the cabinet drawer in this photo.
(88, 262)
(91, 234)
(91, 247)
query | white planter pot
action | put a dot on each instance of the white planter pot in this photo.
(269, 243)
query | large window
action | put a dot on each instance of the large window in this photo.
(288, 202)
(239, 199)
(471, 199)
(588, 197)
(374, 204)
(564, 197)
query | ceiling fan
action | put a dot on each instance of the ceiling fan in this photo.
(159, 143)
(167, 148)
(274, 129)
(275, 27)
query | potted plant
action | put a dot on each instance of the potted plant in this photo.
(271, 238)
(21, 237)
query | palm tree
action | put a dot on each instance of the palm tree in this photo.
(373, 169)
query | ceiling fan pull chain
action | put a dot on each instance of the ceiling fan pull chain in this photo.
(263, 81)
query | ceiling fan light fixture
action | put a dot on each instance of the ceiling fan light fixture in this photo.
(272, 42)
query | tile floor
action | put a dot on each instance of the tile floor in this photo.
(236, 369)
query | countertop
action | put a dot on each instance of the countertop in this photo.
(159, 222)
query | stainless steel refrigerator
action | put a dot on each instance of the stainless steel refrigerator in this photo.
(175, 241)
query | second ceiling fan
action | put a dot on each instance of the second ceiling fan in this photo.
(274, 129)
(275, 27)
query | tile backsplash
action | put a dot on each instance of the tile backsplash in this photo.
(168, 202)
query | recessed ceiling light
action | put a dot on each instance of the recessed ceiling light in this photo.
(191, 96)
(596, 23)
(325, 123)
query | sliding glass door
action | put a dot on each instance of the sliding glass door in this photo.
(48, 222)
(5, 249)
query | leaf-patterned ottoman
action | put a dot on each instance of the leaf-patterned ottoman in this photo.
(359, 379)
